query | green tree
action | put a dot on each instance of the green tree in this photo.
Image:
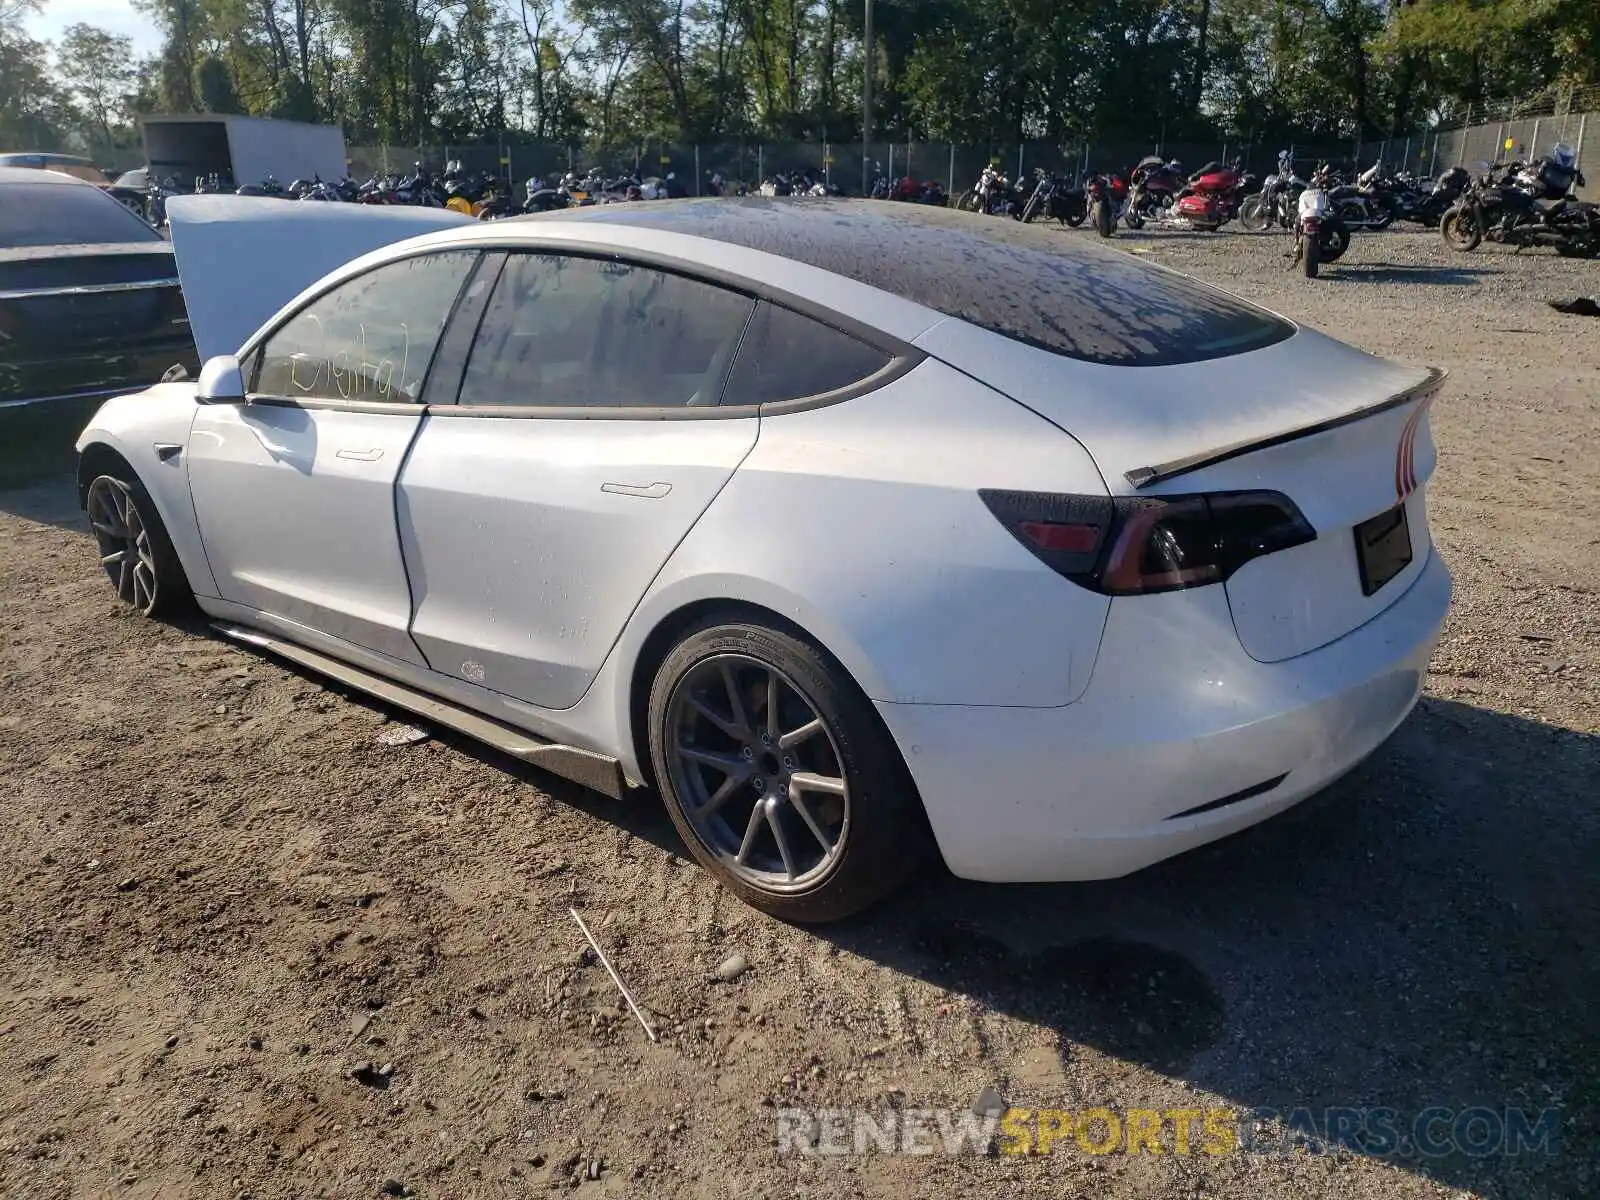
(98, 69)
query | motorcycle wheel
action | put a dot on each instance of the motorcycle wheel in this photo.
(1074, 218)
(1311, 256)
(1332, 241)
(1252, 217)
(1104, 222)
(1134, 218)
(1460, 230)
(967, 201)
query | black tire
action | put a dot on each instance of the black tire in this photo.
(967, 201)
(1460, 230)
(1310, 256)
(883, 833)
(147, 576)
(1074, 218)
(1104, 223)
(1134, 219)
(1333, 239)
(1253, 218)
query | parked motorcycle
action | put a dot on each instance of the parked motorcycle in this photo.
(1431, 201)
(1320, 235)
(1153, 186)
(1277, 203)
(1102, 199)
(992, 195)
(1055, 196)
(1368, 203)
(1525, 205)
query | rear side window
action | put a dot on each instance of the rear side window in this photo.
(785, 356)
(54, 214)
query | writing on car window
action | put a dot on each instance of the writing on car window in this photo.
(370, 339)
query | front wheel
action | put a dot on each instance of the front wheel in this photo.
(135, 551)
(1253, 215)
(967, 201)
(1460, 230)
(1133, 217)
(779, 775)
(1074, 217)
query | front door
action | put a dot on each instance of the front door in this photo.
(295, 490)
(535, 514)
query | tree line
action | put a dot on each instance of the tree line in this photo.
(421, 72)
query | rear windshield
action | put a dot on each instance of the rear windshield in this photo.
(1058, 291)
(55, 214)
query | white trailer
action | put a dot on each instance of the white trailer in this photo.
(246, 148)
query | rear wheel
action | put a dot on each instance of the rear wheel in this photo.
(1310, 256)
(1460, 230)
(779, 775)
(1333, 239)
(1104, 223)
(135, 551)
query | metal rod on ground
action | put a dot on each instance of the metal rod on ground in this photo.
(866, 99)
(612, 971)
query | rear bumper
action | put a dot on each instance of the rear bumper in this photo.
(1176, 717)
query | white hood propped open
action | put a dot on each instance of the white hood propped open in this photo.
(242, 258)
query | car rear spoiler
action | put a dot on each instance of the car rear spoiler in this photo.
(1143, 477)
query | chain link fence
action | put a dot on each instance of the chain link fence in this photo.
(956, 167)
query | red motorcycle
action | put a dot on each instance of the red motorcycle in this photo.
(1153, 187)
(1212, 197)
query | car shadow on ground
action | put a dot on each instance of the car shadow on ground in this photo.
(1387, 273)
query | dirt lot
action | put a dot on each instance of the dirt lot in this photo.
(225, 897)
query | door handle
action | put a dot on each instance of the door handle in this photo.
(360, 455)
(651, 491)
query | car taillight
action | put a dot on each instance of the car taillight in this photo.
(1130, 545)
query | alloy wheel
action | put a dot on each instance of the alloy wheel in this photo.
(758, 772)
(125, 550)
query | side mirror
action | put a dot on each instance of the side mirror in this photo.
(221, 381)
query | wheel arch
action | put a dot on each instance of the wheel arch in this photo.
(96, 459)
(667, 628)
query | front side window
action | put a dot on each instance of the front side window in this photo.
(368, 340)
(562, 331)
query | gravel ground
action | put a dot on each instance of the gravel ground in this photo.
(251, 950)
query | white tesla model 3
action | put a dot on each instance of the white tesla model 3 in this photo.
(863, 532)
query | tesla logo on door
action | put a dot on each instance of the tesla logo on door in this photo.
(1405, 456)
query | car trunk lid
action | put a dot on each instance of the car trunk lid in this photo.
(1340, 432)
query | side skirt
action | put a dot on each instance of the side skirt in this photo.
(595, 771)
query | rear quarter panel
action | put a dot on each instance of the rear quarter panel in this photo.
(861, 522)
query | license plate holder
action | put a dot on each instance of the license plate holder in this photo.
(1383, 548)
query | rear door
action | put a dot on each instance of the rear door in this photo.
(587, 441)
(295, 490)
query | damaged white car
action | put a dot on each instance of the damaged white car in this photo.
(865, 533)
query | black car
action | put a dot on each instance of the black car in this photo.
(89, 296)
